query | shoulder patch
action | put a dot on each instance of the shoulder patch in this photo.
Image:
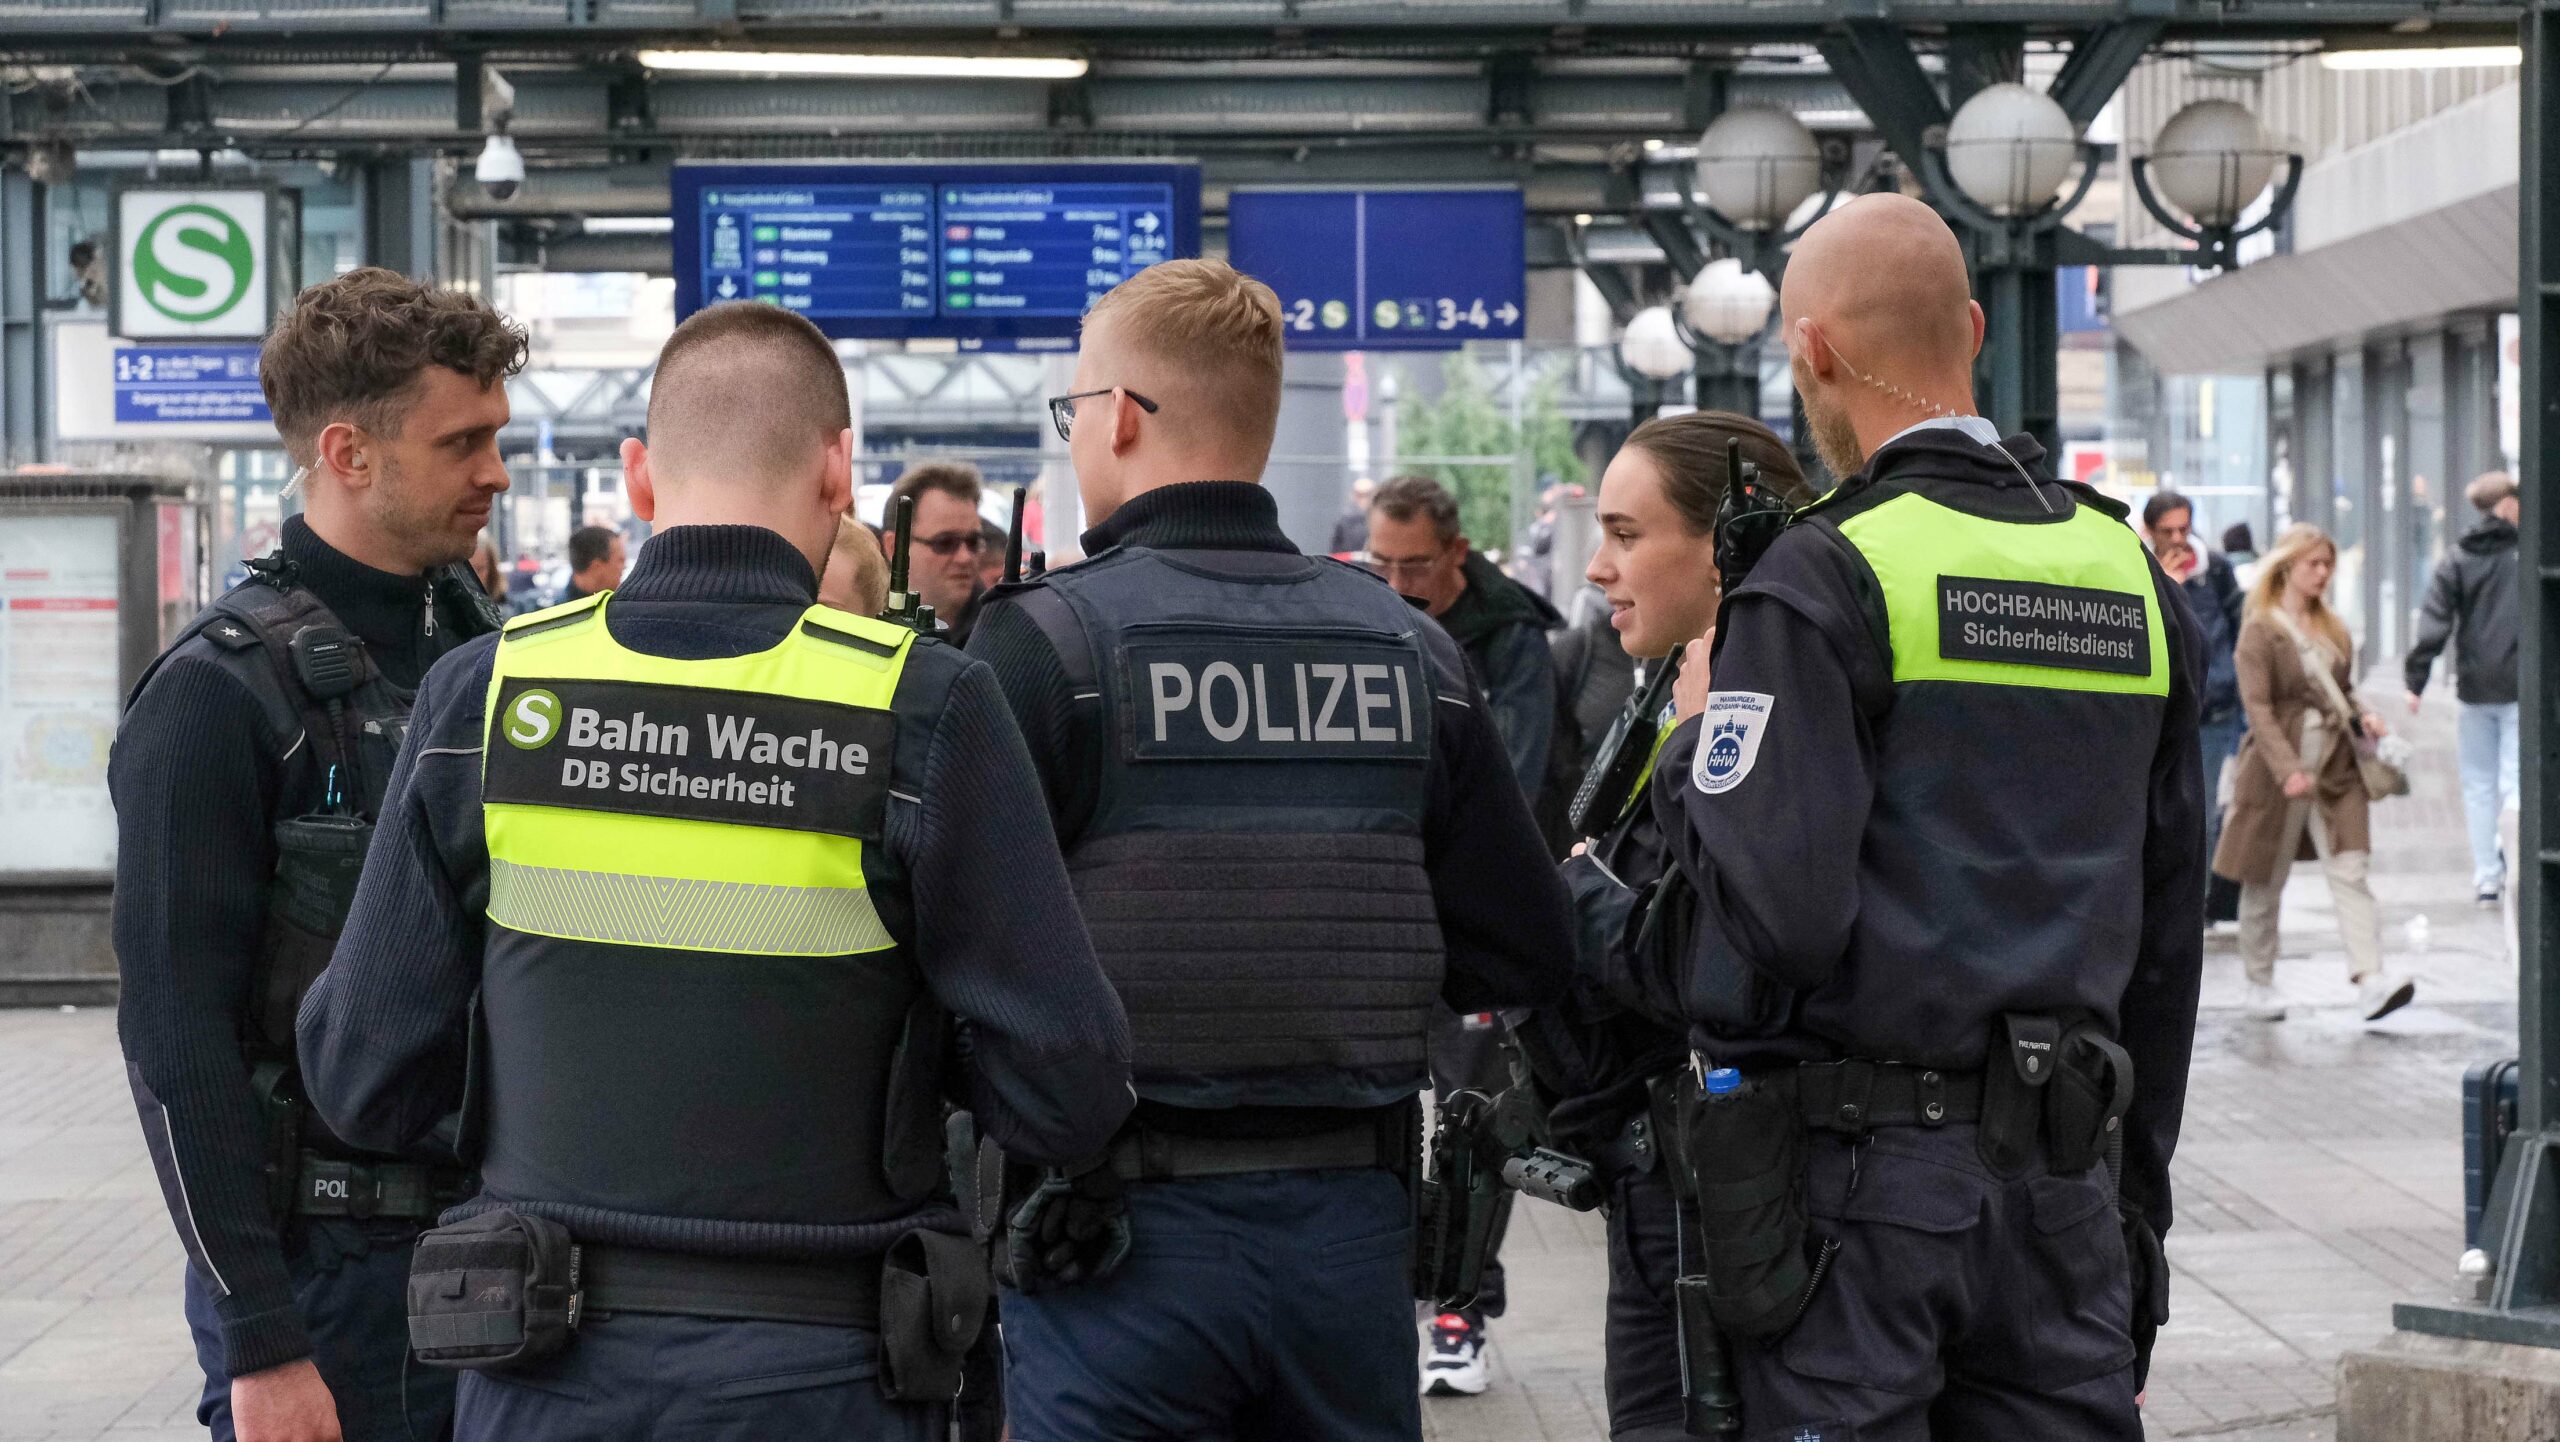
(1729, 745)
(230, 633)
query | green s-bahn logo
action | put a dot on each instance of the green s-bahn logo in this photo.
(533, 720)
(193, 263)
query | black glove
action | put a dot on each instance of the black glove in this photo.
(1073, 1228)
(2150, 1268)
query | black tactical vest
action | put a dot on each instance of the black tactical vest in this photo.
(1253, 870)
(337, 753)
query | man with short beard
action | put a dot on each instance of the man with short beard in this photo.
(246, 778)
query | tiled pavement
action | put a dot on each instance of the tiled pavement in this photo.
(2320, 1180)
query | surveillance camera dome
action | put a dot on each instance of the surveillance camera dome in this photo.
(501, 168)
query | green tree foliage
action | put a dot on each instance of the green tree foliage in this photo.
(1469, 418)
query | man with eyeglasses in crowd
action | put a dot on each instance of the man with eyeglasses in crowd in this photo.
(942, 560)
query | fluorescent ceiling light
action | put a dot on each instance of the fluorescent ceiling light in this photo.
(628, 224)
(2440, 58)
(875, 67)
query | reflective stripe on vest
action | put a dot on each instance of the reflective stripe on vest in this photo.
(714, 825)
(2066, 605)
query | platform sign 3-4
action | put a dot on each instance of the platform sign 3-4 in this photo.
(193, 263)
(1421, 269)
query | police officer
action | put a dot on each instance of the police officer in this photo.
(713, 868)
(1292, 828)
(1607, 1068)
(1936, 824)
(249, 769)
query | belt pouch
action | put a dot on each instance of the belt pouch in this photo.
(2024, 1050)
(493, 1292)
(934, 1291)
(1744, 1151)
(2084, 1106)
(318, 859)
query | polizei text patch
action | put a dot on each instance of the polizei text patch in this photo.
(1254, 698)
(2031, 623)
(691, 753)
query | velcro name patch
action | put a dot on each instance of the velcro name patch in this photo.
(2031, 623)
(1251, 699)
(691, 754)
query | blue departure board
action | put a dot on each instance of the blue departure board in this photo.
(976, 253)
(1424, 269)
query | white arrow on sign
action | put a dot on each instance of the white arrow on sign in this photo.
(1147, 222)
(1507, 313)
(728, 286)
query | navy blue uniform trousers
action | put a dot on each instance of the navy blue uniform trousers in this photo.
(1272, 1305)
(630, 1378)
(1960, 1305)
(350, 1282)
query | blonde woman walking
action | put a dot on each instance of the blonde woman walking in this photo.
(2297, 794)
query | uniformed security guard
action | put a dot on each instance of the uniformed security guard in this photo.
(712, 867)
(1291, 828)
(1607, 1069)
(247, 775)
(1938, 827)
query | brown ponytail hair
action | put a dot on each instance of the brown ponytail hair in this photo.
(1690, 452)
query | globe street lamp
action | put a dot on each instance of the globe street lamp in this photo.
(1720, 317)
(2210, 161)
(1758, 165)
(1650, 352)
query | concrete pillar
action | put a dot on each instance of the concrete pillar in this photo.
(22, 340)
(2419, 1388)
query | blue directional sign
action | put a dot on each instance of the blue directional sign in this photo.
(1385, 269)
(976, 253)
(189, 384)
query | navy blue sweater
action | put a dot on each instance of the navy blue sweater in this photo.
(987, 913)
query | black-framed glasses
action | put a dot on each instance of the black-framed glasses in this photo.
(1062, 409)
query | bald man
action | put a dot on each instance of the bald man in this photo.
(1936, 807)
(1292, 827)
(728, 884)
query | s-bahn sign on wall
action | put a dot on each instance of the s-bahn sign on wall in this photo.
(193, 263)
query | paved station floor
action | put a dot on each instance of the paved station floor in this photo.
(2320, 1180)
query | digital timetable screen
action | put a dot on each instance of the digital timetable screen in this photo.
(1000, 252)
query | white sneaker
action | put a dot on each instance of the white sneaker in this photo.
(2380, 994)
(2264, 1002)
(1455, 1366)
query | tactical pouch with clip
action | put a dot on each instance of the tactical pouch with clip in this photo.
(2024, 1051)
(934, 1290)
(1742, 1143)
(2085, 1103)
(493, 1292)
(281, 1114)
(318, 858)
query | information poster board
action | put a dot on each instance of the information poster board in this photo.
(59, 691)
(974, 253)
(1416, 269)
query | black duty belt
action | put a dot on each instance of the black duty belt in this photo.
(685, 1284)
(336, 1187)
(1143, 1154)
(1854, 1096)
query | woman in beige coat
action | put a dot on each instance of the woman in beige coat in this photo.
(2296, 793)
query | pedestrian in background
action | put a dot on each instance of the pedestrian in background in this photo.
(2214, 595)
(596, 560)
(857, 574)
(948, 539)
(2472, 602)
(2297, 793)
(485, 570)
(1351, 528)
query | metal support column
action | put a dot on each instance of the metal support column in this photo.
(1727, 378)
(22, 348)
(400, 216)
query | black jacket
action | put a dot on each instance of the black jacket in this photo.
(1503, 913)
(985, 911)
(200, 780)
(2214, 595)
(2057, 866)
(2472, 601)
(1502, 626)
